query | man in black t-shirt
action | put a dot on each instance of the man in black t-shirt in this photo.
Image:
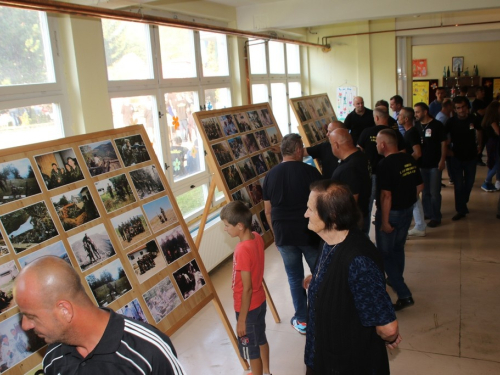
(464, 135)
(359, 119)
(391, 121)
(398, 185)
(323, 152)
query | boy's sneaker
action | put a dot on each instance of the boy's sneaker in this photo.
(300, 327)
(488, 186)
(497, 185)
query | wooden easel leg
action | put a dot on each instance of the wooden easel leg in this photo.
(211, 192)
(270, 302)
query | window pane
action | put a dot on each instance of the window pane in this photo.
(276, 58)
(214, 54)
(293, 58)
(186, 145)
(294, 91)
(27, 125)
(177, 52)
(128, 50)
(258, 57)
(25, 52)
(192, 201)
(278, 92)
(217, 98)
(260, 94)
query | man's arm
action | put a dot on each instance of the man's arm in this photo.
(390, 334)
(385, 204)
(420, 188)
(417, 152)
(246, 298)
(443, 156)
(267, 211)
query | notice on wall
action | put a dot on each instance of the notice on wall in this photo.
(419, 68)
(421, 91)
(345, 98)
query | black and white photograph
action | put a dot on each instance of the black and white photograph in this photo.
(29, 226)
(56, 249)
(160, 213)
(302, 111)
(212, 128)
(17, 181)
(247, 170)
(320, 129)
(311, 108)
(100, 157)
(250, 143)
(130, 227)
(133, 310)
(274, 137)
(59, 168)
(228, 125)
(161, 299)
(260, 164)
(109, 283)
(147, 181)
(8, 273)
(4, 250)
(146, 261)
(263, 220)
(91, 247)
(265, 117)
(261, 137)
(321, 106)
(189, 279)
(270, 158)
(256, 227)
(237, 147)
(242, 196)
(255, 121)
(242, 121)
(173, 244)
(255, 191)
(315, 132)
(75, 208)
(16, 345)
(115, 192)
(222, 153)
(132, 149)
(232, 177)
(309, 134)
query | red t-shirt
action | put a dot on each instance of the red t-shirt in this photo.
(249, 256)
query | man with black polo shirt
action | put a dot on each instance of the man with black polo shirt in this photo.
(82, 338)
(391, 121)
(464, 135)
(359, 119)
(323, 152)
(432, 163)
(398, 185)
(397, 106)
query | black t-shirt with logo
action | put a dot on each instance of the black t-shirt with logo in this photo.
(462, 134)
(323, 152)
(356, 123)
(433, 135)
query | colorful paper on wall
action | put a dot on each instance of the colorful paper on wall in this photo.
(419, 68)
(421, 92)
(345, 98)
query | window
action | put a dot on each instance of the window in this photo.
(276, 58)
(260, 93)
(217, 98)
(214, 54)
(294, 91)
(293, 58)
(258, 57)
(177, 52)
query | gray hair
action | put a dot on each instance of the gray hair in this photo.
(290, 143)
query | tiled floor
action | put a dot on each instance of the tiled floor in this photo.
(453, 329)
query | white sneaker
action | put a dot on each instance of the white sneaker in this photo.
(416, 233)
(497, 185)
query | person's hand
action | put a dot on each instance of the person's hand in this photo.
(441, 165)
(395, 343)
(276, 149)
(386, 228)
(241, 328)
(306, 282)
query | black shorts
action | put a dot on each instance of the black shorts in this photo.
(256, 333)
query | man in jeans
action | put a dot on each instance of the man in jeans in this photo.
(398, 184)
(286, 192)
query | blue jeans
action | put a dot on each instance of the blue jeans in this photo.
(418, 215)
(431, 196)
(392, 246)
(292, 258)
(464, 174)
(494, 171)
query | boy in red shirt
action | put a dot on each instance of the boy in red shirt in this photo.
(248, 292)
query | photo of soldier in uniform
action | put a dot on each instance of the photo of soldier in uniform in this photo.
(161, 299)
(262, 139)
(314, 131)
(309, 135)
(321, 130)
(247, 169)
(109, 283)
(28, 226)
(147, 181)
(146, 261)
(233, 179)
(265, 117)
(173, 244)
(311, 108)
(237, 147)
(4, 250)
(274, 137)
(260, 164)
(91, 247)
(59, 168)
(263, 220)
(228, 125)
(242, 121)
(189, 279)
(8, 273)
(270, 158)
(222, 153)
(242, 195)
(212, 128)
(115, 192)
(250, 143)
(57, 250)
(256, 227)
(132, 149)
(100, 157)
(17, 181)
(130, 227)
(75, 208)
(160, 213)
(302, 111)
(255, 192)
(133, 310)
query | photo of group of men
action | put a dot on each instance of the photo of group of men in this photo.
(147, 181)
(173, 244)
(17, 181)
(161, 299)
(189, 279)
(130, 227)
(132, 150)
(100, 157)
(146, 261)
(237, 147)
(232, 177)
(314, 108)
(262, 139)
(212, 128)
(242, 121)
(247, 169)
(59, 168)
(115, 192)
(222, 153)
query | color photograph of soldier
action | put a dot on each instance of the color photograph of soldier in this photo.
(232, 177)
(309, 134)
(59, 168)
(254, 118)
(133, 310)
(4, 250)
(247, 169)
(146, 261)
(160, 213)
(100, 157)
(28, 226)
(130, 227)
(91, 247)
(237, 147)
(161, 299)
(228, 125)
(321, 106)
(132, 149)
(250, 143)
(260, 164)
(321, 130)
(311, 108)
(242, 121)
(222, 153)
(173, 244)
(115, 192)
(242, 196)
(270, 158)
(265, 117)
(315, 132)
(75, 208)
(147, 181)
(56, 249)
(17, 181)
(263, 220)
(212, 128)
(262, 139)
(109, 283)
(189, 279)
(256, 227)
(255, 192)
(8, 273)
(274, 137)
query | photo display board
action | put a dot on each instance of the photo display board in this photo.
(242, 145)
(101, 202)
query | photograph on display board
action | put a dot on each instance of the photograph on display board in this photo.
(324, 122)
(132, 149)
(75, 208)
(232, 177)
(260, 164)
(255, 192)
(4, 250)
(250, 143)
(247, 169)
(133, 310)
(302, 111)
(59, 168)
(147, 181)
(237, 147)
(115, 192)
(228, 125)
(189, 279)
(320, 103)
(256, 227)
(161, 299)
(8, 273)
(262, 139)
(130, 227)
(146, 261)
(311, 108)
(309, 134)
(255, 121)
(17, 181)
(57, 250)
(265, 117)
(242, 195)
(242, 121)
(222, 153)
(91, 247)
(173, 244)
(320, 129)
(263, 220)
(29, 226)
(212, 128)
(38, 370)
(261, 181)
(109, 283)
(274, 137)
(314, 131)
(160, 213)
(100, 157)
(270, 158)
(16, 345)
(328, 105)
